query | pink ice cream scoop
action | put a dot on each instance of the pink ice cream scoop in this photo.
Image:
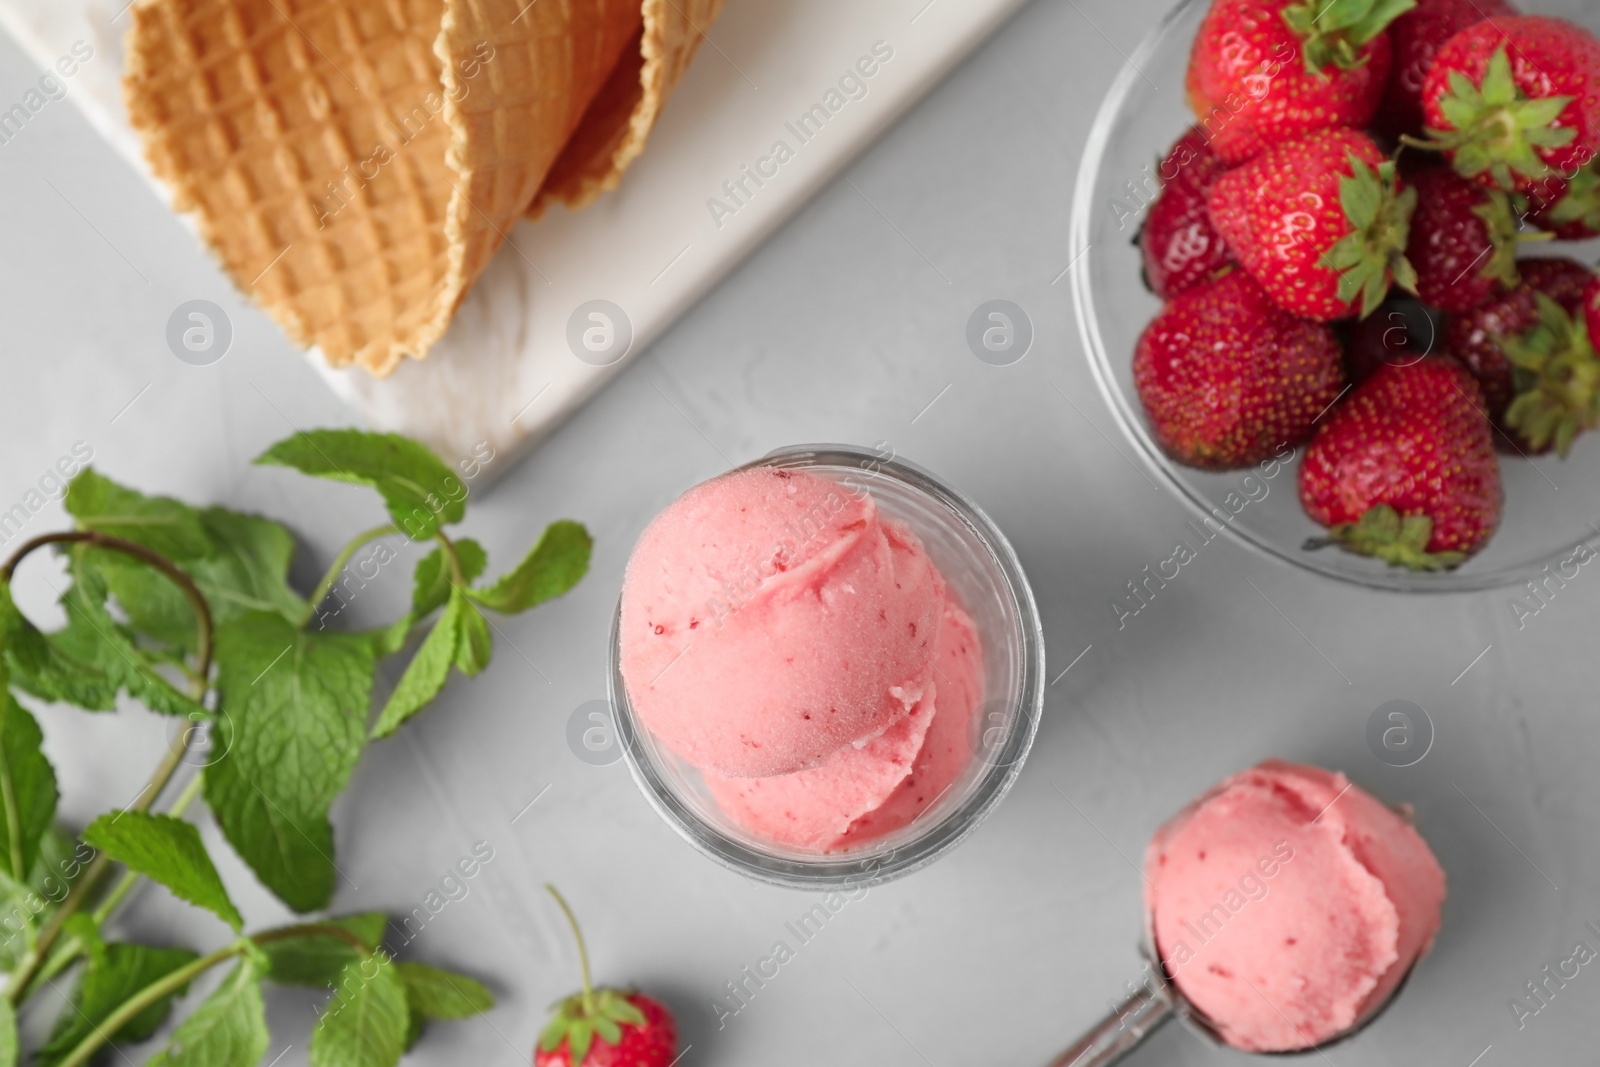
(771, 617)
(1285, 905)
(864, 792)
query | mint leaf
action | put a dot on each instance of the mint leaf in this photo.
(27, 787)
(114, 973)
(475, 645)
(292, 720)
(165, 850)
(367, 1022)
(426, 673)
(160, 523)
(420, 492)
(315, 959)
(439, 994)
(18, 923)
(89, 660)
(246, 569)
(228, 1030)
(431, 582)
(554, 566)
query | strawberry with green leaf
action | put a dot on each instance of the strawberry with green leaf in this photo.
(1322, 223)
(1405, 470)
(1417, 37)
(1265, 71)
(1512, 101)
(605, 1027)
(1463, 241)
(1531, 353)
(1568, 207)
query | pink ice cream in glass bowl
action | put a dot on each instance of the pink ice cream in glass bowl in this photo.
(826, 667)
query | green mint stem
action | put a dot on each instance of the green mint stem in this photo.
(449, 546)
(191, 592)
(583, 952)
(89, 883)
(340, 562)
(147, 996)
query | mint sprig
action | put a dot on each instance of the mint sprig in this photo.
(190, 611)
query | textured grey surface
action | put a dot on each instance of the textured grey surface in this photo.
(844, 328)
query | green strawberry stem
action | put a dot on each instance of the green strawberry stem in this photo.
(1496, 127)
(1384, 534)
(1558, 378)
(583, 951)
(593, 1013)
(1372, 256)
(1334, 32)
(88, 883)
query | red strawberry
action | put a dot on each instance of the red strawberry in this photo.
(1416, 37)
(605, 1027)
(1463, 241)
(1591, 310)
(1525, 344)
(1512, 100)
(1398, 334)
(1265, 71)
(1405, 469)
(1319, 222)
(1180, 248)
(1228, 378)
(1568, 207)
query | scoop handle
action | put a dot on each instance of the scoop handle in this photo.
(1120, 1032)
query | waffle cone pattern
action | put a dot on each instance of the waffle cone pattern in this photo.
(356, 163)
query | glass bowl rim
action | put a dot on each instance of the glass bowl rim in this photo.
(865, 868)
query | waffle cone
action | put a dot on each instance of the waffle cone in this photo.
(618, 121)
(356, 163)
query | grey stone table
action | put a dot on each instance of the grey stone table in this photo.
(848, 326)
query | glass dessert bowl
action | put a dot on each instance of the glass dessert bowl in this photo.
(740, 750)
(1549, 523)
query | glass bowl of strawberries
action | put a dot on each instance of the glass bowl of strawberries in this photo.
(1365, 342)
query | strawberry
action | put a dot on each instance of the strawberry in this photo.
(1319, 222)
(1405, 470)
(1228, 378)
(1180, 248)
(1515, 99)
(1534, 362)
(1463, 241)
(1591, 310)
(1568, 207)
(1398, 334)
(605, 1027)
(1416, 37)
(1265, 71)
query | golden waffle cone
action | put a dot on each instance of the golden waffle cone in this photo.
(352, 183)
(618, 122)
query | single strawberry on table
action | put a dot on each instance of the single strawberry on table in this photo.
(1265, 71)
(1179, 246)
(1404, 470)
(1514, 100)
(1227, 378)
(1321, 222)
(1463, 240)
(605, 1027)
(1416, 38)
(1535, 365)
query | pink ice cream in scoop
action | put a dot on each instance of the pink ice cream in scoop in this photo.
(771, 617)
(1288, 904)
(866, 792)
